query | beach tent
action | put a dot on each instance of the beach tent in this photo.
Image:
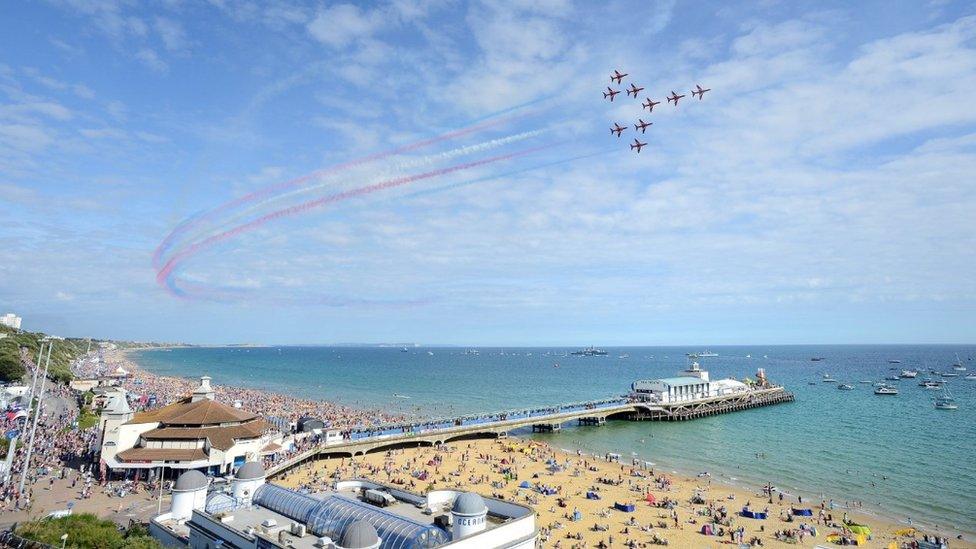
(707, 530)
(525, 484)
(592, 495)
(625, 507)
(905, 532)
(577, 516)
(803, 512)
(858, 529)
(650, 498)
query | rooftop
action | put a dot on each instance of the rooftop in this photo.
(200, 413)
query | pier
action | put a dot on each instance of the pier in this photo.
(498, 425)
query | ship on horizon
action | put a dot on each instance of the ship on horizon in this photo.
(589, 351)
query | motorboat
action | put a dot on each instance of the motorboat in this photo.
(945, 401)
(949, 374)
(817, 358)
(931, 385)
(866, 381)
(893, 361)
(893, 378)
(845, 387)
(970, 377)
(828, 379)
(909, 374)
(885, 389)
(958, 364)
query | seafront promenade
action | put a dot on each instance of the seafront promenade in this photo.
(500, 424)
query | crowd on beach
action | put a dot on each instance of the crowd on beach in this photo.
(590, 501)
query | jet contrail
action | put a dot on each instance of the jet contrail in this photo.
(271, 189)
(193, 249)
(443, 188)
(425, 161)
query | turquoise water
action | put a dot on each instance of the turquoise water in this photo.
(839, 443)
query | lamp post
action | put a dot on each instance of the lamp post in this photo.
(37, 415)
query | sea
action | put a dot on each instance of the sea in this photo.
(897, 455)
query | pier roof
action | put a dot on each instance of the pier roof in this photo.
(683, 380)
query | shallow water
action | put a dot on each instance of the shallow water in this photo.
(839, 443)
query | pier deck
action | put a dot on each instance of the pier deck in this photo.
(545, 420)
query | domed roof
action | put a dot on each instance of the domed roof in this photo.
(250, 470)
(191, 480)
(359, 535)
(220, 501)
(469, 503)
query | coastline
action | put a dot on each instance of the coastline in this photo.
(730, 481)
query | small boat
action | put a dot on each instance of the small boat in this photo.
(623, 356)
(845, 387)
(817, 358)
(866, 381)
(931, 385)
(812, 383)
(431, 353)
(970, 377)
(893, 378)
(958, 365)
(894, 362)
(945, 401)
(909, 374)
(748, 356)
(885, 389)
(949, 374)
(828, 379)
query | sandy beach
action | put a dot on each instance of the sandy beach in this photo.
(682, 505)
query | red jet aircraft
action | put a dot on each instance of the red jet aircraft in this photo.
(700, 91)
(649, 105)
(634, 90)
(618, 76)
(637, 145)
(610, 93)
(674, 97)
(617, 129)
(642, 126)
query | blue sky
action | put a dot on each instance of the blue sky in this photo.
(824, 191)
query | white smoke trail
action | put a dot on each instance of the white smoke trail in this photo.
(334, 182)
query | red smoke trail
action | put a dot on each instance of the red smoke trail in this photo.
(195, 248)
(271, 189)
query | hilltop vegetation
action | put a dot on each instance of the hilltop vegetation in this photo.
(61, 355)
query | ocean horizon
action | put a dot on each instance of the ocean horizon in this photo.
(898, 455)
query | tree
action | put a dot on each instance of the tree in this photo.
(10, 367)
(86, 531)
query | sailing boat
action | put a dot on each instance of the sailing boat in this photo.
(945, 401)
(958, 365)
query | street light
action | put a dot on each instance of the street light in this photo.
(37, 415)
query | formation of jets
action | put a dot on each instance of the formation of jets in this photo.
(634, 90)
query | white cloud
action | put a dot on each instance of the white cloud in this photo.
(341, 24)
(172, 34)
(150, 59)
